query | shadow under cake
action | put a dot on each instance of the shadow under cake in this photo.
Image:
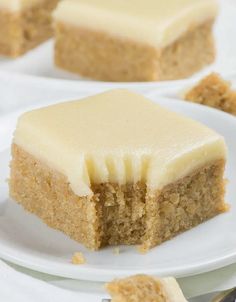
(117, 168)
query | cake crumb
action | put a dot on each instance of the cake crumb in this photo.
(143, 249)
(78, 258)
(116, 251)
(213, 91)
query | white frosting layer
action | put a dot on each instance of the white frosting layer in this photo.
(172, 290)
(17, 5)
(117, 136)
(155, 22)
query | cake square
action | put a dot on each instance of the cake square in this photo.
(116, 168)
(151, 40)
(24, 25)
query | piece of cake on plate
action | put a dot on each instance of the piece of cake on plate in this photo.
(142, 288)
(213, 91)
(24, 24)
(116, 168)
(150, 40)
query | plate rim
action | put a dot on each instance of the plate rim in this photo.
(105, 275)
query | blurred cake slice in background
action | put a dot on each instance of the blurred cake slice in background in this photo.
(150, 40)
(213, 91)
(24, 24)
(142, 288)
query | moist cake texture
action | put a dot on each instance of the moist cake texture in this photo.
(24, 24)
(117, 169)
(128, 42)
(215, 92)
(145, 288)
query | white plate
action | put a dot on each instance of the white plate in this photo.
(39, 62)
(26, 241)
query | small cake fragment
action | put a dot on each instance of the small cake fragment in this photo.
(142, 288)
(24, 24)
(142, 249)
(215, 92)
(116, 168)
(152, 40)
(78, 258)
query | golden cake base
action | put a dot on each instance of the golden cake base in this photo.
(126, 214)
(101, 56)
(22, 31)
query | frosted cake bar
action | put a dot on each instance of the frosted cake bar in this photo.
(116, 168)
